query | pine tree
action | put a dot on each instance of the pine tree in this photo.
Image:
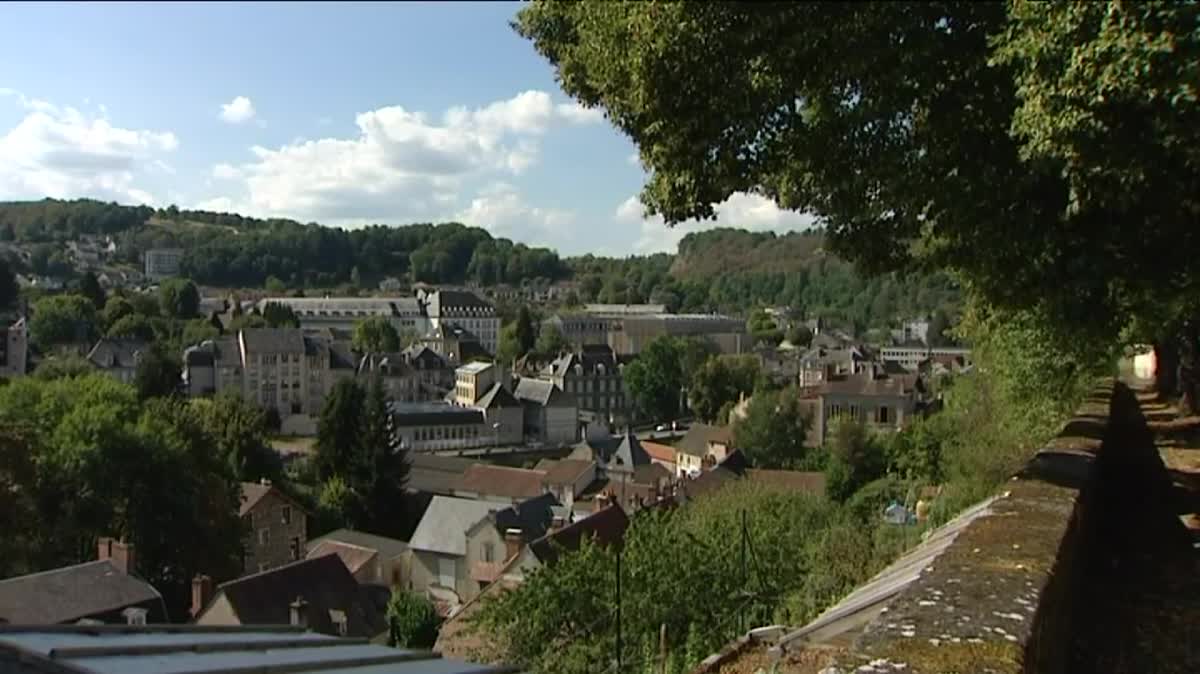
(384, 461)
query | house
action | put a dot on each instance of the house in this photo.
(440, 559)
(433, 474)
(605, 527)
(619, 454)
(821, 363)
(14, 349)
(177, 648)
(118, 356)
(106, 590)
(501, 484)
(882, 402)
(702, 447)
(161, 263)
(567, 479)
(462, 308)
(663, 455)
(276, 527)
(501, 536)
(593, 376)
(550, 413)
(371, 559)
(317, 593)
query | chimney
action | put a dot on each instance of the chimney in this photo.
(512, 543)
(103, 548)
(558, 522)
(299, 612)
(122, 556)
(202, 591)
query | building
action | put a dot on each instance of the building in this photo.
(456, 344)
(105, 590)
(404, 313)
(884, 403)
(702, 447)
(912, 330)
(663, 455)
(14, 349)
(473, 380)
(466, 309)
(820, 364)
(434, 372)
(500, 484)
(276, 527)
(319, 594)
(177, 648)
(371, 559)
(628, 329)
(398, 378)
(161, 263)
(550, 414)
(911, 357)
(592, 375)
(486, 387)
(624, 309)
(567, 479)
(118, 357)
(432, 426)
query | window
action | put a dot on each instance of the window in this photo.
(286, 513)
(884, 416)
(294, 548)
(264, 536)
(488, 552)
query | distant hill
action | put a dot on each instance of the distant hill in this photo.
(730, 251)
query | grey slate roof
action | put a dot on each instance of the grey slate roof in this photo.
(274, 340)
(112, 352)
(497, 396)
(457, 303)
(695, 441)
(532, 516)
(72, 592)
(170, 649)
(434, 413)
(542, 392)
(388, 548)
(436, 474)
(443, 528)
(622, 452)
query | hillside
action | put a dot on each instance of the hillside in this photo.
(725, 250)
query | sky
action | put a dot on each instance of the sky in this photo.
(340, 113)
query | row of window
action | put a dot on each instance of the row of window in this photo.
(880, 415)
(592, 385)
(447, 433)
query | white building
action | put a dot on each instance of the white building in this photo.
(910, 357)
(466, 309)
(163, 263)
(404, 313)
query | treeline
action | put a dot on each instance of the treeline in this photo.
(54, 220)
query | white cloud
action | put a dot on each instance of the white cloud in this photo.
(403, 164)
(237, 111)
(61, 152)
(746, 211)
(579, 114)
(501, 210)
(225, 171)
(634, 159)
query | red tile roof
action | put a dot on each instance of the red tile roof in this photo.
(659, 452)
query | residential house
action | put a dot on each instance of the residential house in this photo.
(501, 536)
(371, 559)
(83, 649)
(500, 484)
(593, 375)
(462, 308)
(619, 454)
(702, 447)
(820, 364)
(161, 263)
(118, 356)
(14, 349)
(781, 364)
(567, 479)
(276, 527)
(884, 403)
(624, 471)
(663, 455)
(440, 558)
(550, 413)
(213, 366)
(319, 594)
(105, 590)
(405, 314)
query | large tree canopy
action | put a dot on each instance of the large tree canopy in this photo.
(1047, 150)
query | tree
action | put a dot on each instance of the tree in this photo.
(279, 315)
(115, 308)
(774, 431)
(274, 285)
(763, 328)
(384, 471)
(939, 323)
(339, 430)
(721, 381)
(89, 287)
(550, 341)
(8, 285)
(799, 336)
(63, 366)
(509, 348)
(179, 298)
(376, 335)
(1076, 111)
(158, 373)
(132, 325)
(655, 378)
(62, 319)
(239, 430)
(526, 331)
(247, 322)
(412, 620)
(855, 458)
(198, 331)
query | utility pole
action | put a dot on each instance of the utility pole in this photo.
(662, 649)
(742, 610)
(619, 668)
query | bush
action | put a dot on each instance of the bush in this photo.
(868, 503)
(412, 621)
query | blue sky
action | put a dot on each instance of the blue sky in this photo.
(340, 113)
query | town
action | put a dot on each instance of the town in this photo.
(600, 338)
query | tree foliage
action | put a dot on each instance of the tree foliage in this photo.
(773, 434)
(376, 335)
(412, 620)
(158, 373)
(62, 319)
(8, 285)
(550, 341)
(89, 287)
(655, 379)
(279, 315)
(178, 298)
(721, 381)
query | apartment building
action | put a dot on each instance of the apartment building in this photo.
(161, 263)
(593, 376)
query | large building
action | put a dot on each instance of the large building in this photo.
(911, 357)
(466, 309)
(14, 349)
(404, 313)
(161, 263)
(629, 328)
(593, 376)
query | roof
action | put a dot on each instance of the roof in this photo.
(708, 482)
(650, 473)
(453, 303)
(349, 307)
(695, 441)
(517, 483)
(162, 649)
(389, 548)
(420, 352)
(429, 413)
(474, 368)
(353, 556)
(592, 359)
(621, 452)
(605, 527)
(436, 474)
(385, 364)
(274, 340)
(497, 396)
(659, 452)
(444, 525)
(866, 384)
(789, 480)
(532, 516)
(69, 593)
(542, 392)
(621, 309)
(112, 352)
(566, 471)
(324, 582)
(253, 492)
